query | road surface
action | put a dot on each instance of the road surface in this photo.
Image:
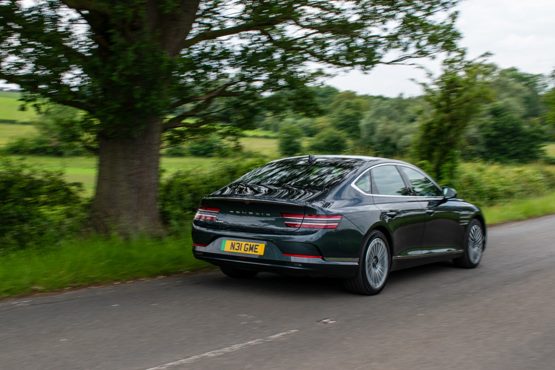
(498, 316)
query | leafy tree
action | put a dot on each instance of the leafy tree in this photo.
(142, 67)
(455, 98)
(508, 139)
(549, 100)
(290, 140)
(324, 96)
(346, 111)
(520, 92)
(329, 141)
(389, 124)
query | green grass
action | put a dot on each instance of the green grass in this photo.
(260, 133)
(12, 131)
(95, 260)
(265, 146)
(550, 150)
(520, 209)
(10, 108)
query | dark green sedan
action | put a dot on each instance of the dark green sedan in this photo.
(351, 217)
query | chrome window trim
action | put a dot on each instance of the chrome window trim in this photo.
(353, 183)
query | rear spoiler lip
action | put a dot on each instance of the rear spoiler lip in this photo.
(259, 200)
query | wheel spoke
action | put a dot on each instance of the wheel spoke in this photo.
(377, 263)
(475, 243)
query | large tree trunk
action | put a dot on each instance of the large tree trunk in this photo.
(126, 198)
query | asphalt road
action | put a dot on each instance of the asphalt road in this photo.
(498, 316)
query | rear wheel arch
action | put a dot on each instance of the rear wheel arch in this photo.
(384, 231)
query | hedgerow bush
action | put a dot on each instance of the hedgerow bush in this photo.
(40, 145)
(37, 207)
(181, 193)
(488, 184)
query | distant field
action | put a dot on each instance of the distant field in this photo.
(265, 146)
(10, 108)
(9, 131)
(83, 169)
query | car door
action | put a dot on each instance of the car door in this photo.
(403, 213)
(443, 232)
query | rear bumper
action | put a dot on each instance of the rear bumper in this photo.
(287, 264)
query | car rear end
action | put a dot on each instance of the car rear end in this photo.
(282, 226)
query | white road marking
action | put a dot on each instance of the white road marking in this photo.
(222, 351)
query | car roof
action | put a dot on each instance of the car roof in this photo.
(362, 158)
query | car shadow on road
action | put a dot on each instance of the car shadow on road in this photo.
(270, 283)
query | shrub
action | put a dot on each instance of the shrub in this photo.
(175, 151)
(37, 207)
(329, 141)
(290, 140)
(181, 193)
(486, 185)
(39, 145)
(210, 147)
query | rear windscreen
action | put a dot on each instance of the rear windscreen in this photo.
(300, 173)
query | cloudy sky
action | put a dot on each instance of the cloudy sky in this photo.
(519, 34)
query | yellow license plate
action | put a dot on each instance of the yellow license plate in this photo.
(243, 247)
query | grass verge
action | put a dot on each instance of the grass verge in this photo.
(520, 209)
(77, 263)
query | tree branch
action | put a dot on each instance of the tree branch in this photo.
(253, 26)
(220, 91)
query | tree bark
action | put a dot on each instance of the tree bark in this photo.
(126, 198)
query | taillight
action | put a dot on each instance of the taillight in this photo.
(311, 221)
(205, 213)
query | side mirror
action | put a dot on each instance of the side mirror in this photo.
(449, 193)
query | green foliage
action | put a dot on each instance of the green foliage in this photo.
(290, 140)
(329, 141)
(508, 139)
(62, 132)
(181, 193)
(212, 146)
(455, 98)
(37, 208)
(488, 184)
(549, 100)
(389, 124)
(68, 128)
(519, 92)
(145, 59)
(176, 151)
(346, 111)
(40, 145)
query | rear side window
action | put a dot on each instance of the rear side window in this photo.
(386, 180)
(301, 173)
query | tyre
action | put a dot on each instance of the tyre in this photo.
(236, 273)
(474, 244)
(374, 266)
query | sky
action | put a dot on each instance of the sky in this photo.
(518, 33)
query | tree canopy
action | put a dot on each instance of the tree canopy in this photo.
(142, 67)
